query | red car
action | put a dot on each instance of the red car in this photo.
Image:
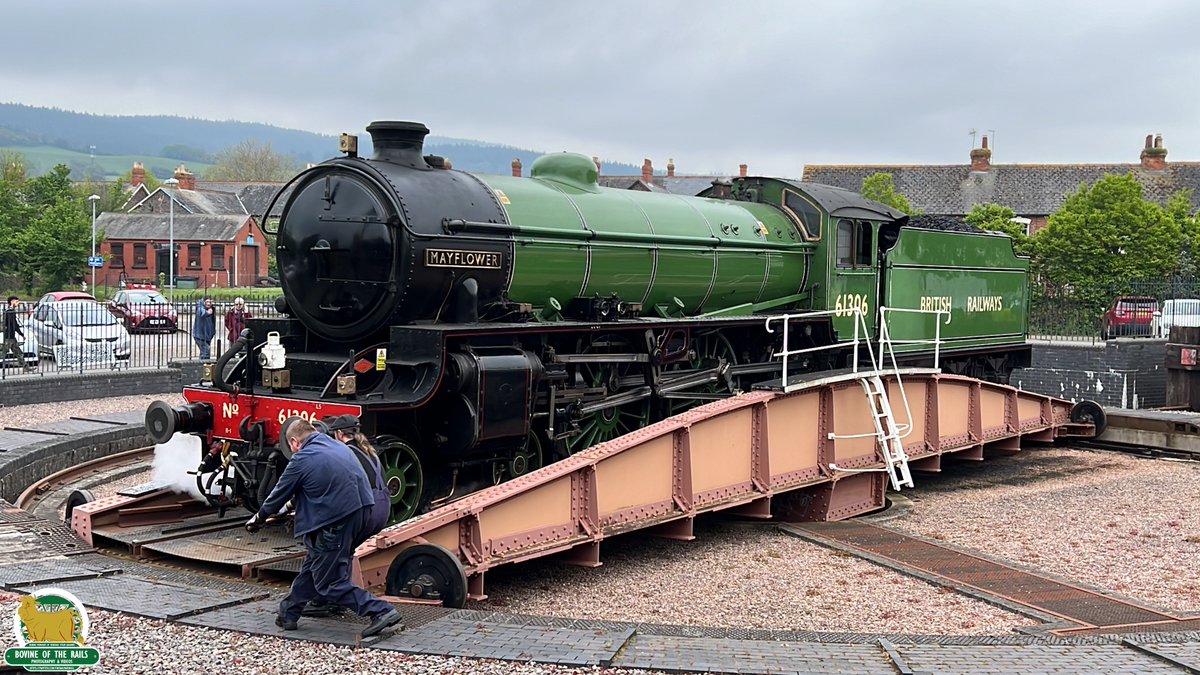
(55, 296)
(144, 310)
(1129, 315)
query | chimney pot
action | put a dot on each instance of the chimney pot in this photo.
(670, 168)
(981, 158)
(516, 168)
(1149, 140)
(1154, 157)
(743, 169)
(137, 175)
(647, 171)
(985, 147)
(187, 179)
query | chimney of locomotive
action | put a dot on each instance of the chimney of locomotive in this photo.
(516, 168)
(1154, 156)
(399, 142)
(981, 158)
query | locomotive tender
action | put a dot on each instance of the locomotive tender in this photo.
(482, 326)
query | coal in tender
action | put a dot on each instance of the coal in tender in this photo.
(950, 223)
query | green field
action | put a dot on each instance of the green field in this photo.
(41, 158)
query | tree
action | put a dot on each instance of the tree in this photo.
(1105, 236)
(250, 161)
(56, 244)
(996, 218)
(1179, 210)
(881, 188)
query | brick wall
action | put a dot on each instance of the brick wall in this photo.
(98, 384)
(1125, 373)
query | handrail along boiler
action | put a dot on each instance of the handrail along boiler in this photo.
(482, 326)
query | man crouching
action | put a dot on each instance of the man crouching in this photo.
(333, 503)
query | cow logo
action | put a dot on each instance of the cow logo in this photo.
(51, 627)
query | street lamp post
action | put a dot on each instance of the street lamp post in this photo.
(172, 182)
(93, 199)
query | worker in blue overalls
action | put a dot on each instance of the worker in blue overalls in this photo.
(333, 503)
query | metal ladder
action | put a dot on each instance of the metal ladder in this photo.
(887, 432)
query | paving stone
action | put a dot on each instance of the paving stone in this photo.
(1032, 659)
(663, 652)
(48, 571)
(494, 640)
(143, 597)
(259, 618)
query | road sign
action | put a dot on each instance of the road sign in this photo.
(95, 261)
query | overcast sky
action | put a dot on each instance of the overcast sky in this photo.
(775, 84)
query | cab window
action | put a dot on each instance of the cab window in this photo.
(803, 212)
(854, 245)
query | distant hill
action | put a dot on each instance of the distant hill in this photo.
(48, 136)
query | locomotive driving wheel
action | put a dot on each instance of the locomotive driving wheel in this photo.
(403, 476)
(520, 462)
(709, 349)
(608, 423)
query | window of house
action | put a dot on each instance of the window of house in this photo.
(804, 212)
(218, 256)
(117, 253)
(193, 257)
(139, 256)
(854, 245)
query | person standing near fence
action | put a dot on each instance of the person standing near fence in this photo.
(235, 319)
(11, 330)
(204, 329)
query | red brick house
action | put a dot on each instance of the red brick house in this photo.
(217, 242)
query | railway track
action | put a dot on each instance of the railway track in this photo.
(57, 489)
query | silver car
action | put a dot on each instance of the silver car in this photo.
(79, 332)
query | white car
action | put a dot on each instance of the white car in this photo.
(30, 348)
(79, 331)
(1181, 312)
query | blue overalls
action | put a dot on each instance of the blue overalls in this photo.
(333, 506)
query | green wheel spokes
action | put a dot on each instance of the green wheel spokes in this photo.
(403, 476)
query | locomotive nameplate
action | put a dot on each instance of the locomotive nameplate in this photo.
(445, 257)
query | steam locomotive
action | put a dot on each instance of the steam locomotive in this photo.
(482, 326)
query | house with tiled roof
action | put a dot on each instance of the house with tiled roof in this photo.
(1033, 191)
(648, 182)
(217, 240)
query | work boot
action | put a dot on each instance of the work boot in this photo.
(287, 624)
(382, 621)
(321, 608)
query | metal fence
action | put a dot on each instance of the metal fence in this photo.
(1142, 308)
(87, 336)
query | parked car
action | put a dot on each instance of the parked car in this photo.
(1129, 315)
(30, 348)
(55, 296)
(84, 328)
(144, 310)
(1175, 312)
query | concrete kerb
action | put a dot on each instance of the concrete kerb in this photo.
(22, 466)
